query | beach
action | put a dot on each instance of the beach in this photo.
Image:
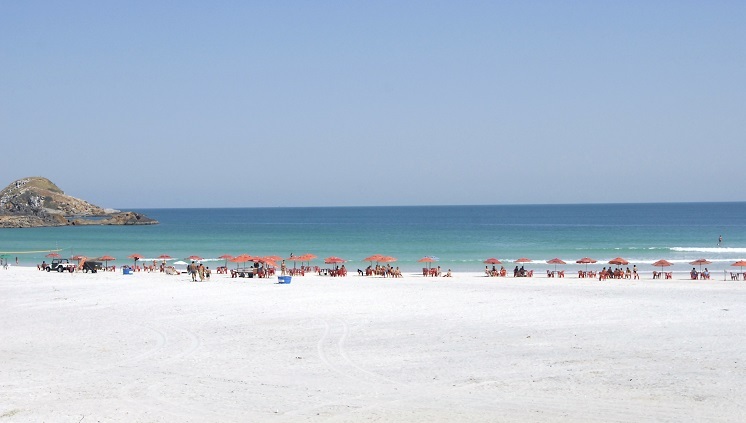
(150, 347)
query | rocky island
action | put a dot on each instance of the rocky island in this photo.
(36, 201)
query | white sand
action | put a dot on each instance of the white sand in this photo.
(157, 348)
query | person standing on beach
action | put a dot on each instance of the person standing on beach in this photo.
(193, 271)
(283, 268)
(201, 271)
(720, 240)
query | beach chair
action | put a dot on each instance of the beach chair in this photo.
(669, 275)
(733, 276)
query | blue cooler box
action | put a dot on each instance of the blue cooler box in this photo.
(284, 279)
(127, 271)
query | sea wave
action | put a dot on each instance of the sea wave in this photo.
(718, 250)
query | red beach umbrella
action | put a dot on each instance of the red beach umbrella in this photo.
(700, 262)
(586, 261)
(619, 261)
(334, 260)
(555, 261)
(241, 258)
(273, 258)
(388, 259)
(428, 260)
(106, 259)
(307, 257)
(493, 260)
(53, 255)
(165, 257)
(374, 257)
(195, 258)
(226, 257)
(523, 260)
(740, 263)
(135, 257)
(295, 259)
(662, 264)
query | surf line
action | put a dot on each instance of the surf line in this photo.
(30, 252)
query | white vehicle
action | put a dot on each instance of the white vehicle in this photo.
(61, 265)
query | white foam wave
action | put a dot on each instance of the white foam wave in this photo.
(717, 250)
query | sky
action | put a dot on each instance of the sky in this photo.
(150, 104)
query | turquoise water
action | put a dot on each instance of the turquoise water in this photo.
(460, 236)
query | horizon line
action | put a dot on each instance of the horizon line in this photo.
(438, 205)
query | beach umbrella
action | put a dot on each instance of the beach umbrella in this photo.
(334, 260)
(308, 257)
(619, 261)
(135, 257)
(195, 258)
(295, 259)
(273, 258)
(586, 261)
(428, 260)
(165, 257)
(106, 259)
(388, 259)
(493, 260)
(226, 257)
(79, 258)
(740, 263)
(241, 258)
(523, 260)
(662, 264)
(700, 262)
(555, 261)
(374, 257)
(53, 255)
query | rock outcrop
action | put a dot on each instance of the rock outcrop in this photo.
(36, 201)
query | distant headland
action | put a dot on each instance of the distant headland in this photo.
(36, 202)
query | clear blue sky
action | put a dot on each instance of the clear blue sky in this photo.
(316, 103)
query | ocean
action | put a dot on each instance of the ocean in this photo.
(461, 237)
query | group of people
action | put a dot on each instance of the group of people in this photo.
(522, 273)
(385, 271)
(495, 271)
(618, 273)
(198, 270)
(705, 274)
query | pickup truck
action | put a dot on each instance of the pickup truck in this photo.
(61, 265)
